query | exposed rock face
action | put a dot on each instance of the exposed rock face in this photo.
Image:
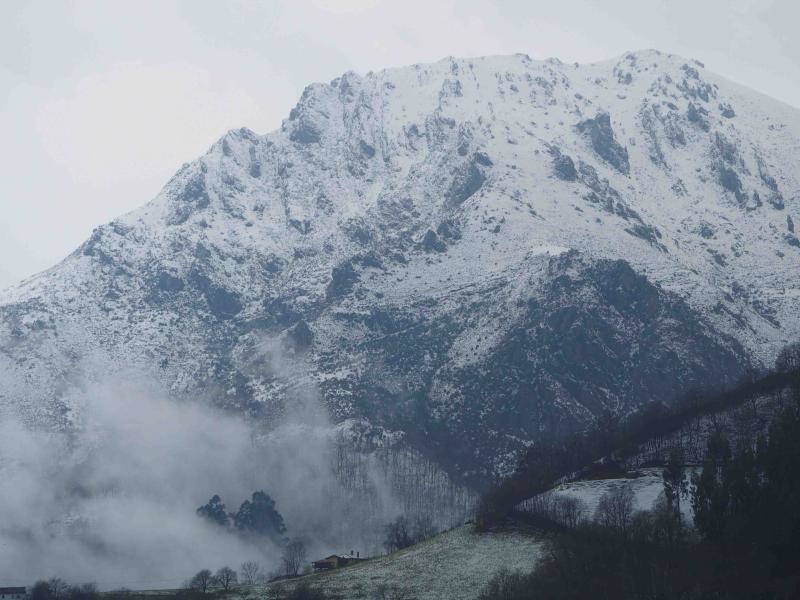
(468, 181)
(729, 180)
(697, 116)
(565, 354)
(564, 166)
(602, 138)
(466, 254)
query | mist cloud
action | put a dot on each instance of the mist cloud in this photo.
(111, 497)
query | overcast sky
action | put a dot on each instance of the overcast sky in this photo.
(103, 101)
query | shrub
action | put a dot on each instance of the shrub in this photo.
(304, 591)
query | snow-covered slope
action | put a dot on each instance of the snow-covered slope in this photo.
(647, 485)
(467, 253)
(455, 564)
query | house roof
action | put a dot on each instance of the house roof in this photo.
(338, 557)
(332, 556)
(12, 590)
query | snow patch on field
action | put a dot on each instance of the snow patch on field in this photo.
(646, 489)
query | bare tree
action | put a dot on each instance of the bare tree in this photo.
(53, 589)
(423, 528)
(251, 572)
(84, 591)
(398, 535)
(294, 555)
(225, 578)
(201, 581)
(570, 511)
(564, 510)
(615, 509)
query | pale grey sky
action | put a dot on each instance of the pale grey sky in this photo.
(103, 100)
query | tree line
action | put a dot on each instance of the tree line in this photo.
(56, 588)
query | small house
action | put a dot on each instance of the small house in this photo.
(12, 593)
(336, 561)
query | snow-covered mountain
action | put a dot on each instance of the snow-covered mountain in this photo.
(466, 254)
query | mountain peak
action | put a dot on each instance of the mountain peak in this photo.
(416, 221)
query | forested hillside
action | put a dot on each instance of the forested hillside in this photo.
(733, 457)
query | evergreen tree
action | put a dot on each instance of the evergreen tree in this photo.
(781, 498)
(709, 497)
(751, 498)
(674, 482)
(260, 517)
(214, 511)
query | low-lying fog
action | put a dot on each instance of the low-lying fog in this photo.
(112, 497)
